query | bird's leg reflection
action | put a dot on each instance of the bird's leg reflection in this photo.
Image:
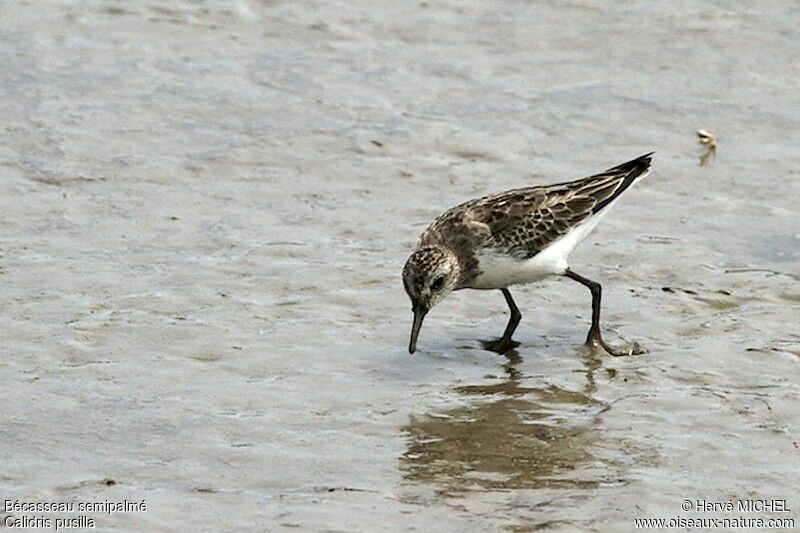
(511, 434)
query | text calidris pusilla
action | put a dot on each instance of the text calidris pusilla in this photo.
(518, 236)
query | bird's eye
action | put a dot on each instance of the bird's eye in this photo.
(438, 283)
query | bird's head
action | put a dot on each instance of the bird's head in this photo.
(430, 274)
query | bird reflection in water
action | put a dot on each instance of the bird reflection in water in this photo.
(509, 436)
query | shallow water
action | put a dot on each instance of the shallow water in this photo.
(206, 207)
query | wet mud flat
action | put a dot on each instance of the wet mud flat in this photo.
(206, 207)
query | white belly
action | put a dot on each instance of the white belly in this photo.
(499, 270)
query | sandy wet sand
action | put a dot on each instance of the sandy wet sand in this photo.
(206, 207)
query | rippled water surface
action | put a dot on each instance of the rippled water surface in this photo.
(206, 206)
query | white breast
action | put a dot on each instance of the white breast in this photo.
(501, 270)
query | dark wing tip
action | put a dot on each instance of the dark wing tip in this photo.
(627, 173)
(646, 159)
(641, 163)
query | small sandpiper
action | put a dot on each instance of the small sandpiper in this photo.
(518, 236)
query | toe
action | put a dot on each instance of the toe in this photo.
(500, 346)
(633, 349)
(637, 349)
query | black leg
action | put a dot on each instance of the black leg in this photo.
(595, 338)
(504, 343)
(513, 320)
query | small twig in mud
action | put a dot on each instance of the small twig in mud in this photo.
(710, 142)
(343, 489)
(767, 271)
(673, 290)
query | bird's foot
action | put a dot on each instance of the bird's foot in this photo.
(501, 346)
(597, 343)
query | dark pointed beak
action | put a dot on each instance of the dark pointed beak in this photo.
(419, 314)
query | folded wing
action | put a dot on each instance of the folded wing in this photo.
(525, 221)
